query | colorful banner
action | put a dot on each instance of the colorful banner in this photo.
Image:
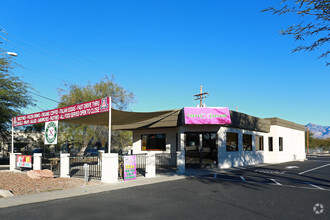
(73, 111)
(51, 132)
(197, 115)
(24, 161)
(130, 167)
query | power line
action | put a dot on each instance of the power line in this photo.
(44, 97)
(17, 47)
(39, 55)
(52, 54)
(62, 48)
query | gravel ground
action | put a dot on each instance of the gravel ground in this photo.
(21, 184)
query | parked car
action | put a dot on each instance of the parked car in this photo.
(47, 154)
(91, 152)
(37, 151)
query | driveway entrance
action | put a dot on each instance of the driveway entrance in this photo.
(201, 149)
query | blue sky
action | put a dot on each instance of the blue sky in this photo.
(162, 51)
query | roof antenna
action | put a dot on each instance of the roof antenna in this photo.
(201, 96)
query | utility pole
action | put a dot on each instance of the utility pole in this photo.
(201, 96)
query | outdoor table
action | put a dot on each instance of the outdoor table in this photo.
(54, 162)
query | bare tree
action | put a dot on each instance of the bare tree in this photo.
(317, 29)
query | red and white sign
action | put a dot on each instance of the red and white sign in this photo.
(73, 111)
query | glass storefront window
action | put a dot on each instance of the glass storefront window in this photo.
(232, 141)
(247, 142)
(153, 142)
(259, 143)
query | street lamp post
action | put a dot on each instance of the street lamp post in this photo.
(12, 126)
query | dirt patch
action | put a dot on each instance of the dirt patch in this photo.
(21, 184)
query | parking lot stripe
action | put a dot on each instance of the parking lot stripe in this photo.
(277, 183)
(314, 169)
(318, 187)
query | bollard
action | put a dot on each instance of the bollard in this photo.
(86, 172)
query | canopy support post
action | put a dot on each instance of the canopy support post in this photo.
(12, 137)
(109, 135)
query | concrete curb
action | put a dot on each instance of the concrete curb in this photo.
(5, 193)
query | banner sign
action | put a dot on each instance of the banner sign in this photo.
(130, 167)
(73, 111)
(197, 115)
(24, 161)
(51, 132)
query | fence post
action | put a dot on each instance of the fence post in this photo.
(37, 161)
(86, 172)
(180, 162)
(151, 164)
(65, 165)
(13, 161)
(99, 158)
(109, 168)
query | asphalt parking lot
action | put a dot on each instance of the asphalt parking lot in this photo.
(294, 190)
(312, 174)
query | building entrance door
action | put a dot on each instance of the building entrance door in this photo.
(201, 149)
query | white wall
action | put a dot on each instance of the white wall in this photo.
(293, 145)
(238, 158)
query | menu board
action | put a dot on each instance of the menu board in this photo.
(130, 167)
(24, 161)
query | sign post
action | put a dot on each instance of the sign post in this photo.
(109, 135)
(12, 137)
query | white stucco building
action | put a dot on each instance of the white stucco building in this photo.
(245, 141)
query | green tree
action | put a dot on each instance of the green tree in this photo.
(316, 30)
(85, 135)
(315, 143)
(14, 95)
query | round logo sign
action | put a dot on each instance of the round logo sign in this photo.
(51, 132)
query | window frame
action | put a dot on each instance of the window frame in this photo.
(270, 144)
(145, 148)
(261, 143)
(244, 147)
(280, 143)
(227, 149)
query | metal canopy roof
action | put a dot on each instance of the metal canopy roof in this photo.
(123, 120)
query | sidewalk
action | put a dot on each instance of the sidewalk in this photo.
(105, 187)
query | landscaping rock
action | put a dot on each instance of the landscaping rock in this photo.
(20, 184)
(39, 174)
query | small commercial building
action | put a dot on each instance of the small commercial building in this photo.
(245, 140)
(191, 137)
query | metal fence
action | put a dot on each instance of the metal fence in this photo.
(141, 164)
(94, 165)
(51, 163)
(166, 162)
